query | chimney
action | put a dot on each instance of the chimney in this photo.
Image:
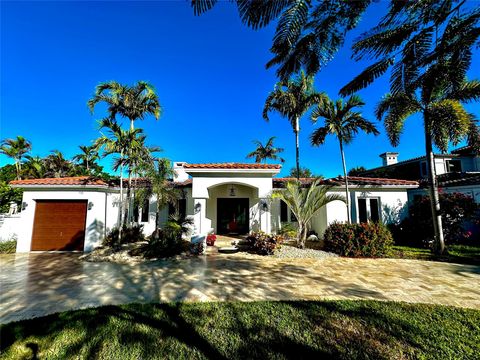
(180, 174)
(389, 158)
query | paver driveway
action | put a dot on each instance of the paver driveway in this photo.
(39, 284)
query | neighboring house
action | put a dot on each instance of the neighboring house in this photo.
(228, 198)
(458, 171)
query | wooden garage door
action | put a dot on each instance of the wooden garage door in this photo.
(59, 225)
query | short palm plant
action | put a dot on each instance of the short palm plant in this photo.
(87, 157)
(292, 99)
(305, 202)
(17, 150)
(429, 49)
(342, 122)
(265, 152)
(130, 102)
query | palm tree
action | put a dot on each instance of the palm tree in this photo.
(34, 167)
(130, 102)
(117, 141)
(341, 121)
(87, 156)
(158, 173)
(56, 165)
(429, 49)
(16, 149)
(292, 99)
(265, 152)
(305, 202)
(308, 32)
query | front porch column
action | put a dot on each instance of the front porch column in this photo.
(199, 216)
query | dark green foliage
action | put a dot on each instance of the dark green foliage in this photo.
(250, 330)
(460, 254)
(8, 247)
(130, 234)
(169, 241)
(358, 240)
(304, 173)
(460, 218)
(8, 173)
(7, 195)
(264, 244)
(356, 171)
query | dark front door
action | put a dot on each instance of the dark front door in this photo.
(232, 216)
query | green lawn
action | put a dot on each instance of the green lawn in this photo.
(461, 254)
(332, 329)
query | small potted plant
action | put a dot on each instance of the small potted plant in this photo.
(211, 238)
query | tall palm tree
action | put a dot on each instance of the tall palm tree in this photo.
(308, 32)
(265, 152)
(16, 149)
(429, 49)
(292, 99)
(341, 121)
(305, 202)
(117, 141)
(56, 165)
(130, 102)
(87, 156)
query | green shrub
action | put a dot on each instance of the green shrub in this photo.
(358, 240)
(130, 234)
(8, 247)
(460, 219)
(288, 230)
(264, 244)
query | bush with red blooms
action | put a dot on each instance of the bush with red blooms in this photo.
(211, 238)
(358, 240)
(264, 244)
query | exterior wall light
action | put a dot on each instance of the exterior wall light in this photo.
(197, 208)
(90, 205)
(264, 205)
(233, 191)
(24, 205)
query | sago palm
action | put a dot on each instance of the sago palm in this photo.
(305, 202)
(265, 152)
(292, 99)
(341, 121)
(308, 32)
(130, 102)
(429, 49)
(17, 150)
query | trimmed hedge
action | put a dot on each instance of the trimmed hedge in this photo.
(8, 247)
(358, 240)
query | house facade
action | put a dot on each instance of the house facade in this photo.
(74, 214)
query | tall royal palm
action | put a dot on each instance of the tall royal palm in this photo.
(429, 49)
(265, 152)
(16, 149)
(342, 122)
(87, 156)
(130, 102)
(292, 99)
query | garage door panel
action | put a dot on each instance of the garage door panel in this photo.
(59, 225)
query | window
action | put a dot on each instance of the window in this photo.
(135, 214)
(145, 210)
(181, 207)
(283, 212)
(423, 169)
(368, 210)
(454, 166)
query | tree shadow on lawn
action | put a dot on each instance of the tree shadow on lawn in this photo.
(293, 329)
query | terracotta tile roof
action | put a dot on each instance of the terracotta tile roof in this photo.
(456, 179)
(353, 180)
(231, 166)
(75, 180)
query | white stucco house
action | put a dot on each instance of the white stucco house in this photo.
(226, 198)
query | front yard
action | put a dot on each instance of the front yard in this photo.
(339, 329)
(461, 254)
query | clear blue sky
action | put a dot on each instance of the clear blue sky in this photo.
(208, 71)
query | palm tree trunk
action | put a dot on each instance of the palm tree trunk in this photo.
(131, 125)
(120, 207)
(347, 193)
(128, 211)
(297, 146)
(17, 167)
(439, 246)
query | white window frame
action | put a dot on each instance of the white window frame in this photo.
(368, 208)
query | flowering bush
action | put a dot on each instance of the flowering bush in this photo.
(358, 240)
(211, 238)
(460, 219)
(264, 244)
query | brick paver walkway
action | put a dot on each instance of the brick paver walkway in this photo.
(39, 284)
